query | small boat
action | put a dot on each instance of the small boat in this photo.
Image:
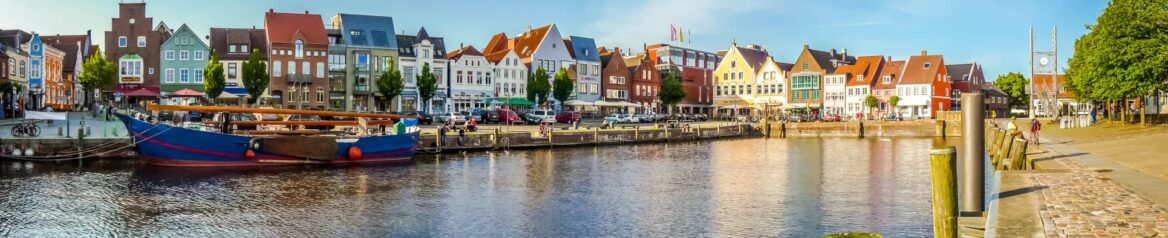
(167, 145)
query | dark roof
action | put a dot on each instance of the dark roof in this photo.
(786, 67)
(363, 30)
(406, 44)
(222, 38)
(824, 59)
(990, 89)
(15, 38)
(68, 44)
(583, 48)
(466, 50)
(957, 70)
(754, 57)
(281, 27)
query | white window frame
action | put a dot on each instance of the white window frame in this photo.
(277, 69)
(169, 54)
(168, 76)
(184, 55)
(198, 76)
(198, 55)
(122, 42)
(141, 41)
(184, 76)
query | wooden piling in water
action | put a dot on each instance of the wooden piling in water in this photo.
(943, 173)
(861, 127)
(1018, 154)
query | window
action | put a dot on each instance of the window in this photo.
(169, 55)
(299, 49)
(291, 67)
(198, 55)
(184, 55)
(276, 67)
(488, 81)
(231, 70)
(275, 52)
(806, 66)
(320, 69)
(168, 76)
(184, 76)
(320, 95)
(306, 68)
(927, 65)
(887, 79)
(35, 71)
(141, 41)
(231, 49)
(198, 76)
(122, 41)
(243, 48)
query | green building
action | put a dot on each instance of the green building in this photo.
(184, 56)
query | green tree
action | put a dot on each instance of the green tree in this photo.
(892, 102)
(538, 86)
(1014, 85)
(390, 84)
(427, 86)
(213, 80)
(562, 86)
(871, 102)
(255, 76)
(672, 92)
(96, 73)
(1122, 56)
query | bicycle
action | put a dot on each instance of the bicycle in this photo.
(26, 127)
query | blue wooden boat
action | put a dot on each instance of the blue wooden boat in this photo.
(167, 145)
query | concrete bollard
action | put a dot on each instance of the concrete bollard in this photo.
(972, 158)
(60, 131)
(943, 173)
(783, 130)
(941, 128)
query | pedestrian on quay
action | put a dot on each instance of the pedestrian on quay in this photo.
(1094, 112)
(442, 135)
(461, 135)
(1035, 126)
(1012, 126)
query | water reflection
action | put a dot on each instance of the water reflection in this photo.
(756, 187)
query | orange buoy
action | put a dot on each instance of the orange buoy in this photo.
(250, 154)
(354, 153)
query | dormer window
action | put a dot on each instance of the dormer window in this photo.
(927, 65)
(887, 79)
(299, 48)
(806, 66)
(860, 78)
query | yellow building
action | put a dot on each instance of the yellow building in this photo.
(736, 79)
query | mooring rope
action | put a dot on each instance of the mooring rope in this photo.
(72, 155)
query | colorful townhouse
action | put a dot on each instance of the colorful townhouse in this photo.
(924, 87)
(885, 86)
(646, 82)
(184, 56)
(734, 78)
(471, 79)
(587, 65)
(415, 52)
(695, 68)
(539, 48)
(807, 77)
(511, 83)
(298, 45)
(361, 48)
(860, 80)
(966, 78)
(77, 48)
(133, 44)
(234, 46)
(46, 88)
(616, 82)
(770, 85)
(17, 64)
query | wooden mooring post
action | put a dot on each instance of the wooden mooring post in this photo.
(943, 171)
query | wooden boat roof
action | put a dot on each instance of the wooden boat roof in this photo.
(213, 109)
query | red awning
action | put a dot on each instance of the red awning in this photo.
(186, 93)
(142, 92)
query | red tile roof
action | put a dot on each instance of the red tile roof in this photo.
(498, 43)
(495, 57)
(868, 66)
(466, 50)
(916, 72)
(283, 27)
(526, 43)
(1042, 83)
(891, 69)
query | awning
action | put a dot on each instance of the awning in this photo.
(236, 91)
(740, 107)
(227, 96)
(577, 103)
(509, 101)
(142, 92)
(186, 93)
(616, 104)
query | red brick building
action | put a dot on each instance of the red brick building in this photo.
(696, 70)
(298, 46)
(133, 45)
(645, 84)
(615, 80)
(966, 78)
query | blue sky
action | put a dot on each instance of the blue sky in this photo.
(991, 32)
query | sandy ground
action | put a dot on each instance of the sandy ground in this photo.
(1142, 148)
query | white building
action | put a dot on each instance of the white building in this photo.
(471, 79)
(861, 77)
(414, 52)
(833, 91)
(769, 84)
(511, 74)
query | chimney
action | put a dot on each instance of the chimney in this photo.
(889, 58)
(924, 53)
(271, 10)
(529, 28)
(844, 51)
(806, 47)
(305, 12)
(833, 52)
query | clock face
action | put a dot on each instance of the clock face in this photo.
(1043, 61)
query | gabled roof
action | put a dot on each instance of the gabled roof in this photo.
(468, 50)
(754, 57)
(891, 69)
(990, 89)
(68, 44)
(526, 43)
(921, 69)
(1042, 83)
(406, 44)
(498, 43)
(633, 61)
(15, 38)
(282, 27)
(825, 58)
(222, 38)
(868, 66)
(956, 71)
(497, 56)
(185, 28)
(786, 67)
(364, 30)
(583, 48)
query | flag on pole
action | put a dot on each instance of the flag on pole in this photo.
(672, 33)
(680, 36)
(690, 33)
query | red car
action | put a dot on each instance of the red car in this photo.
(508, 116)
(568, 117)
(830, 118)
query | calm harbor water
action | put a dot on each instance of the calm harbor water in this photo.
(751, 187)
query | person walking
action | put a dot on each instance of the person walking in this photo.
(1035, 126)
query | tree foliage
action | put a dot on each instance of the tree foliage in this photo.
(892, 102)
(538, 86)
(1122, 56)
(390, 83)
(562, 86)
(1014, 85)
(213, 80)
(427, 85)
(871, 102)
(255, 76)
(672, 92)
(97, 72)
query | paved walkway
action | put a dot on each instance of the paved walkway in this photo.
(98, 128)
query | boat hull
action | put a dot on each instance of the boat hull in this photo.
(165, 145)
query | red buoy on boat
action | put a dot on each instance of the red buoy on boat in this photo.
(354, 153)
(250, 154)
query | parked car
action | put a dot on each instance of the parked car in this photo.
(831, 118)
(795, 118)
(303, 118)
(699, 117)
(539, 116)
(568, 117)
(457, 118)
(660, 117)
(680, 117)
(616, 118)
(489, 116)
(422, 117)
(165, 116)
(508, 116)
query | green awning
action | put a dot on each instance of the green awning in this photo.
(509, 101)
(130, 57)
